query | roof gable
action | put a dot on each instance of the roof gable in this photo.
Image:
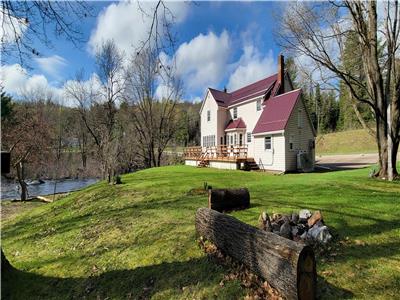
(277, 112)
(235, 124)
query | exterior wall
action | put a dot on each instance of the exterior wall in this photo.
(248, 112)
(301, 137)
(191, 162)
(223, 165)
(273, 159)
(218, 120)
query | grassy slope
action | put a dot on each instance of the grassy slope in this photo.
(137, 239)
(345, 142)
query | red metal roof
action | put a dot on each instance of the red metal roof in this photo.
(253, 90)
(235, 124)
(276, 112)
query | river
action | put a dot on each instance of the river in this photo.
(9, 188)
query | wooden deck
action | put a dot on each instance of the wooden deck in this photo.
(217, 153)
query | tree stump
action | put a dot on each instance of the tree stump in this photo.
(288, 266)
(228, 199)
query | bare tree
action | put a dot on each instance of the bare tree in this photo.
(23, 22)
(155, 120)
(97, 101)
(318, 31)
(27, 136)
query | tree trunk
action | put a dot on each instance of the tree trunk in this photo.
(381, 138)
(395, 149)
(228, 199)
(288, 266)
(21, 181)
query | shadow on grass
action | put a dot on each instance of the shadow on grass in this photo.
(139, 283)
(168, 279)
(326, 290)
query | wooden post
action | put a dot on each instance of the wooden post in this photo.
(288, 266)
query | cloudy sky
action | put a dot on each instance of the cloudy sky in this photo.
(220, 44)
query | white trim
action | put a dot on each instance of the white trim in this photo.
(204, 100)
(268, 133)
(235, 129)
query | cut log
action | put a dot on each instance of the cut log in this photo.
(228, 199)
(288, 266)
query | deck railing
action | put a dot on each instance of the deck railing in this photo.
(216, 152)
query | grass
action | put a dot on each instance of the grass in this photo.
(346, 142)
(137, 240)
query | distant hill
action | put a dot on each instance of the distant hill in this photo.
(345, 142)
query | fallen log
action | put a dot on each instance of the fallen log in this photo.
(286, 265)
(228, 199)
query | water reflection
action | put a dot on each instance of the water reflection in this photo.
(10, 189)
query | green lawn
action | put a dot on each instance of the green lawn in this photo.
(137, 240)
(346, 142)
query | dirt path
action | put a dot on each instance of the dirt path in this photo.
(346, 161)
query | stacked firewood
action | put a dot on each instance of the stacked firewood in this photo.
(304, 226)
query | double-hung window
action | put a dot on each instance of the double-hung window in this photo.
(249, 137)
(267, 143)
(208, 115)
(235, 113)
(258, 105)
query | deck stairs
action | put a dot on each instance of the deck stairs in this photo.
(251, 165)
(203, 161)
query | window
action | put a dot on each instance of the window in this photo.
(258, 105)
(291, 142)
(231, 140)
(240, 139)
(208, 115)
(249, 137)
(299, 119)
(235, 113)
(235, 135)
(267, 143)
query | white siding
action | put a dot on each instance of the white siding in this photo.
(217, 122)
(301, 137)
(249, 114)
(223, 165)
(191, 162)
(273, 159)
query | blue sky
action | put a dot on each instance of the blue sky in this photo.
(219, 44)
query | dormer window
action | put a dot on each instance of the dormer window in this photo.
(258, 105)
(235, 112)
(208, 115)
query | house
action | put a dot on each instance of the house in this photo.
(262, 125)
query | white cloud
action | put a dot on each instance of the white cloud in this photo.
(52, 65)
(203, 60)
(252, 66)
(19, 83)
(128, 25)
(12, 28)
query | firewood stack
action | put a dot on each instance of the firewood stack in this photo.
(304, 226)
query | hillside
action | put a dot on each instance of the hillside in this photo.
(137, 240)
(346, 142)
